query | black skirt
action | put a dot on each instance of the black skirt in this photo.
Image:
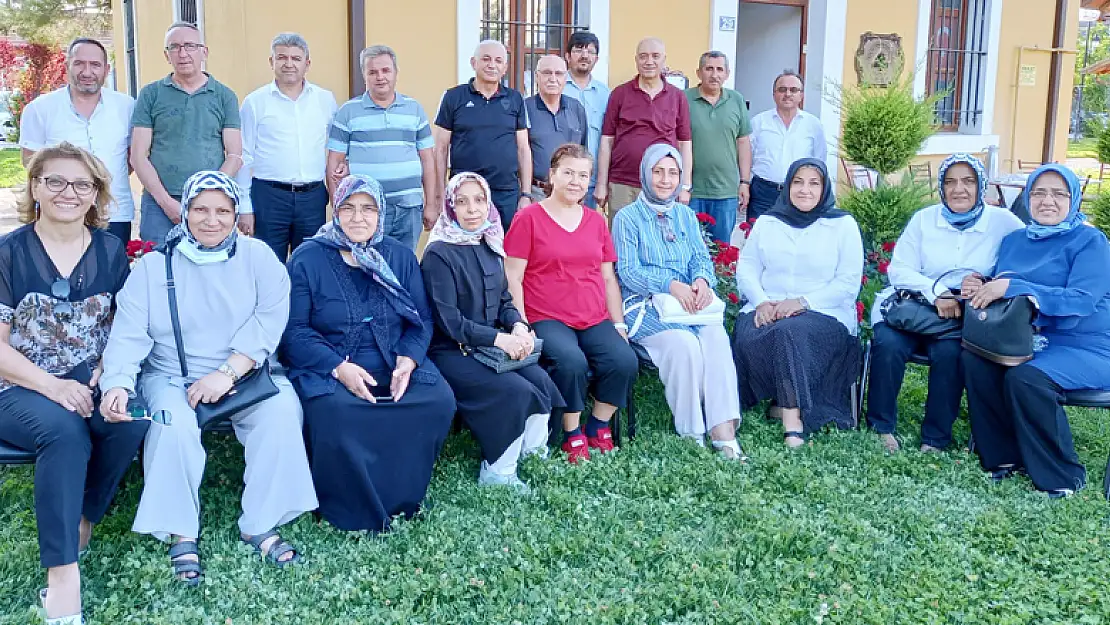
(495, 406)
(808, 362)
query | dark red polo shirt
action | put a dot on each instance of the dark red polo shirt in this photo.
(636, 121)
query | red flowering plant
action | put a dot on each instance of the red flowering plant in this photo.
(724, 256)
(136, 248)
(876, 263)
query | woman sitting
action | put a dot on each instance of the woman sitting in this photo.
(560, 270)
(961, 232)
(59, 275)
(376, 412)
(795, 341)
(507, 412)
(1016, 416)
(232, 299)
(661, 250)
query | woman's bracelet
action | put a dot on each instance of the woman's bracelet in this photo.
(620, 325)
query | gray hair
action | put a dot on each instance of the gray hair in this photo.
(486, 42)
(786, 73)
(191, 26)
(292, 40)
(712, 54)
(374, 52)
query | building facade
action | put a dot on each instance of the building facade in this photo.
(1003, 63)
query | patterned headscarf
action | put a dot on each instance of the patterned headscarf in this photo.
(449, 230)
(652, 156)
(1075, 217)
(963, 221)
(366, 254)
(180, 235)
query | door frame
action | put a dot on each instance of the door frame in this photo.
(804, 39)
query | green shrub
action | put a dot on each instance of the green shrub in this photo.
(884, 127)
(1100, 212)
(883, 212)
(1104, 144)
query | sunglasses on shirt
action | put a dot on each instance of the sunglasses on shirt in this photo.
(60, 290)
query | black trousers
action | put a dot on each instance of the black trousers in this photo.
(570, 355)
(764, 194)
(78, 466)
(890, 351)
(283, 218)
(122, 230)
(506, 199)
(1017, 419)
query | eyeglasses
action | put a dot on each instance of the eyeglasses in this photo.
(1059, 196)
(174, 48)
(790, 90)
(60, 290)
(346, 211)
(57, 184)
(547, 73)
(583, 51)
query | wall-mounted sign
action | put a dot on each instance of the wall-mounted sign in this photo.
(879, 59)
(726, 24)
(1028, 76)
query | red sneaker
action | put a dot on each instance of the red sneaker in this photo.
(603, 442)
(576, 448)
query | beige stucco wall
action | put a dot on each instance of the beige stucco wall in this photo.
(423, 34)
(685, 30)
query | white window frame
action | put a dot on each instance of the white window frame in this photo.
(468, 26)
(969, 138)
(133, 9)
(200, 14)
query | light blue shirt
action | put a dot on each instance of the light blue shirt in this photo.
(595, 97)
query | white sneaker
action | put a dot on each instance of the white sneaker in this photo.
(489, 478)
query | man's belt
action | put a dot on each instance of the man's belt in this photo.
(295, 187)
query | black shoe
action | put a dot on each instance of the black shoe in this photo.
(1005, 473)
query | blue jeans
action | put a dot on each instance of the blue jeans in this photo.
(284, 218)
(121, 229)
(764, 194)
(154, 225)
(506, 200)
(723, 211)
(404, 224)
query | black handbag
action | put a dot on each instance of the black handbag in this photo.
(254, 387)
(1002, 332)
(499, 360)
(909, 311)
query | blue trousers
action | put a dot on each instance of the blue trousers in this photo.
(506, 200)
(154, 225)
(121, 230)
(764, 194)
(284, 218)
(890, 351)
(404, 224)
(78, 464)
(723, 211)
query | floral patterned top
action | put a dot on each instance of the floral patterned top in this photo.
(59, 334)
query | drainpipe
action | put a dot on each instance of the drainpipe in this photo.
(356, 39)
(1054, 78)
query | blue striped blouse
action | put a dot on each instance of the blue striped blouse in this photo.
(647, 261)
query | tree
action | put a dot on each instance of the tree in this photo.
(56, 21)
(1092, 88)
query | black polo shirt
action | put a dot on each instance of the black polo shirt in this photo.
(483, 132)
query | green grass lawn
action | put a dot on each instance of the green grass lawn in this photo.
(11, 168)
(1083, 148)
(659, 532)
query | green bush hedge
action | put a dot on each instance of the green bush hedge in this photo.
(883, 212)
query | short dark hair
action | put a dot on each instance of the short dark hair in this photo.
(582, 39)
(569, 150)
(89, 40)
(787, 73)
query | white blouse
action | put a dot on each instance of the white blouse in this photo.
(930, 246)
(822, 263)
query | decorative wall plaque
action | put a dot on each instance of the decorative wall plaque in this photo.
(879, 59)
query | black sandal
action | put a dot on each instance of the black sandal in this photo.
(793, 434)
(183, 567)
(276, 550)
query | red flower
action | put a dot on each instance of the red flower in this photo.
(745, 227)
(883, 266)
(133, 247)
(752, 220)
(859, 312)
(734, 298)
(707, 219)
(863, 281)
(888, 247)
(872, 256)
(148, 247)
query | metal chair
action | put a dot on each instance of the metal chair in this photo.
(859, 177)
(1028, 167)
(1092, 399)
(12, 455)
(860, 388)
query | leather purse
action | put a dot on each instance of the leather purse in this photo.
(1002, 332)
(499, 360)
(252, 388)
(909, 311)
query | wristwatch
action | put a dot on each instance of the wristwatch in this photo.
(227, 370)
(804, 302)
(686, 188)
(747, 182)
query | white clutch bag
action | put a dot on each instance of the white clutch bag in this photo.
(671, 311)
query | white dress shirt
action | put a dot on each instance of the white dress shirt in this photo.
(822, 263)
(930, 246)
(51, 119)
(775, 146)
(284, 140)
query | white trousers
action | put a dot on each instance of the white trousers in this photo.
(697, 370)
(277, 482)
(532, 440)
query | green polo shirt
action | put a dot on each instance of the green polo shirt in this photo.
(187, 128)
(714, 129)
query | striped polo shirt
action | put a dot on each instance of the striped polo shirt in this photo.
(383, 143)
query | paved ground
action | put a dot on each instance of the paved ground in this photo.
(9, 199)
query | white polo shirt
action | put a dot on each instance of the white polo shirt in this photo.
(51, 119)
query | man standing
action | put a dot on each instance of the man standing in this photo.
(285, 128)
(581, 57)
(641, 112)
(482, 127)
(184, 123)
(555, 119)
(780, 137)
(720, 127)
(89, 116)
(385, 135)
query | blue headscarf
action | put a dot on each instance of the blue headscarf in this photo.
(183, 239)
(1075, 218)
(963, 221)
(652, 156)
(366, 254)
